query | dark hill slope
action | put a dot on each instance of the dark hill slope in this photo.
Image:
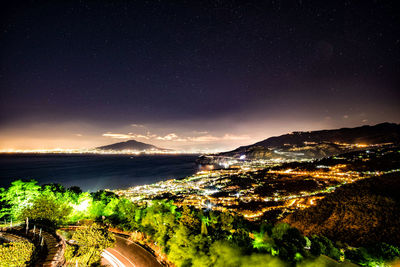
(130, 145)
(362, 213)
(318, 144)
(380, 133)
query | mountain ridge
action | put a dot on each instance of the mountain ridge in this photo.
(317, 144)
(339, 134)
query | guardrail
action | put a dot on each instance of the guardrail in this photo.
(55, 248)
(9, 237)
(54, 243)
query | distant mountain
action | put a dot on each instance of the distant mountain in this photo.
(131, 145)
(318, 144)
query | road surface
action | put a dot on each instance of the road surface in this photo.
(129, 254)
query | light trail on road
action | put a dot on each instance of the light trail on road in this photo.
(129, 254)
(111, 259)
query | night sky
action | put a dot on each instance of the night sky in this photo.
(191, 75)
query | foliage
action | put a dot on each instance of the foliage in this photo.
(17, 197)
(47, 208)
(15, 254)
(322, 245)
(54, 203)
(375, 255)
(188, 236)
(282, 240)
(90, 242)
(225, 254)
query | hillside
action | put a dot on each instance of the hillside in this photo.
(380, 133)
(318, 144)
(131, 145)
(362, 213)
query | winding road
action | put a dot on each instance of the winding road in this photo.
(128, 254)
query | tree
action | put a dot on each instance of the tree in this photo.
(91, 241)
(263, 242)
(241, 238)
(82, 207)
(189, 219)
(279, 230)
(226, 221)
(124, 215)
(205, 221)
(17, 197)
(214, 220)
(384, 251)
(323, 245)
(47, 208)
(181, 248)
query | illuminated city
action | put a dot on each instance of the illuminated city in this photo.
(222, 133)
(252, 189)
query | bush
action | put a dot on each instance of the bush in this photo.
(90, 242)
(16, 253)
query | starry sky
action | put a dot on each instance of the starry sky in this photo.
(193, 75)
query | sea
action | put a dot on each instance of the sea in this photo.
(95, 172)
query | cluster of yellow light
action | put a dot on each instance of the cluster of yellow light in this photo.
(294, 204)
(362, 145)
(194, 191)
(242, 163)
(335, 172)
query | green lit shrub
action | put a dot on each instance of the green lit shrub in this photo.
(89, 244)
(15, 254)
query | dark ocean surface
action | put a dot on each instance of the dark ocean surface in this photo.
(94, 172)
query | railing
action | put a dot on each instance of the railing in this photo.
(54, 243)
(9, 237)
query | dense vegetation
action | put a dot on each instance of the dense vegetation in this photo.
(89, 243)
(189, 237)
(15, 253)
